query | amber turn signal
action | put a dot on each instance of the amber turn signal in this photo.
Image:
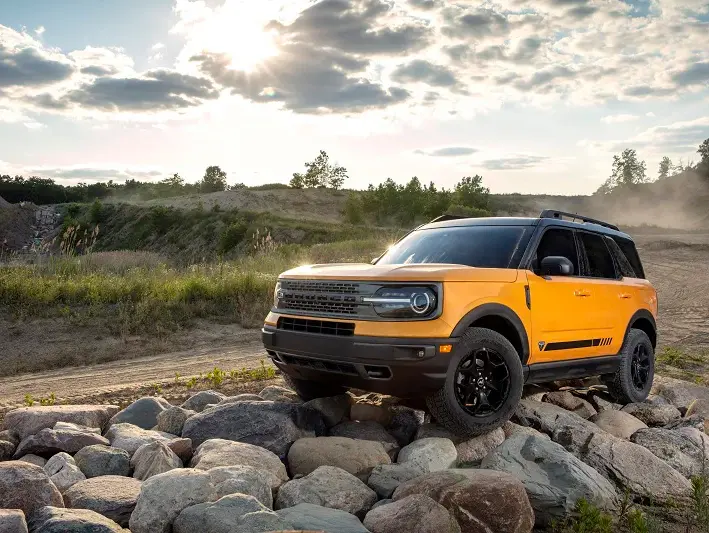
(445, 348)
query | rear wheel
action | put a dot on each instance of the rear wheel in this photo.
(309, 390)
(633, 380)
(483, 385)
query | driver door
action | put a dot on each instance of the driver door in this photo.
(559, 304)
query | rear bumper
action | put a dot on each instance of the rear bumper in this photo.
(404, 367)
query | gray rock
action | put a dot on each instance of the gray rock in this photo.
(307, 516)
(271, 425)
(684, 450)
(242, 398)
(8, 435)
(602, 401)
(129, 437)
(431, 430)
(385, 479)
(331, 487)
(57, 462)
(415, 513)
(7, 450)
(27, 487)
(430, 454)
(618, 423)
(679, 393)
(198, 402)
(333, 409)
(653, 415)
(60, 520)
(243, 480)
(111, 496)
(368, 430)
(654, 399)
(472, 451)
(555, 480)
(76, 427)
(218, 452)
(385, 501)
(27, 421)
(699, 408)
(33, 459)
(153, 458)
(405, 423)
(236, 512)
(172, 420)
(434, 483)
(99, 460)
(182, 448)
(635, 469)
(52, 441)
(274, 393)
(357, 457)
(63, 472)
(142, 412)
(570, 402)
(12, 521)
(364, 412)
(694, 421)
(510, 428)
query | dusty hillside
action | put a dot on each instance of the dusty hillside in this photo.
(15, 225)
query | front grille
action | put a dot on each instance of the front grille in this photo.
(320, 286)
(323, 327)
(318, 364)
(320, 297)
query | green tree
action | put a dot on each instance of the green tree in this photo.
(704, 152)
(320, 173)
(353, 212)
(470, 192)
(96, 212)
(627, 171)
(214, 180)
(666, 167)
(175, 181)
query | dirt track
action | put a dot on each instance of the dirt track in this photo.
(678, 266)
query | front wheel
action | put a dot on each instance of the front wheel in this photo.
(483, 385)
(309, 390)
(632, 382)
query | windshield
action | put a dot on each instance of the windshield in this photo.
(475, 246)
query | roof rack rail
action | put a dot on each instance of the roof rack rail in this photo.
(552, 213)
(443, 218)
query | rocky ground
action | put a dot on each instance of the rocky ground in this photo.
(267, 462)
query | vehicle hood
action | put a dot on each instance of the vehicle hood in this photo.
(418, 272)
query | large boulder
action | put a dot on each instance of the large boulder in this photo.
(33, 459)
(427, 431)
(233, 513)
(364, 412)
(12, 521)
(328, 486)
(480, 500)
(555, 480)
(333, 408)
(510, 428)
(358, 457)
(306, 516)
(405, 423)
(570, 402)
(384, 479)
(129, 437)
(172, 420)
(472, 451)
(618, 423)
(153, 458)
(653, 415)
(76, 427)
(218, 452)
(27, 487)
(243, 480)
(678, 392)
(60, 520)
(199, 402)
(246, 397)
(271, 425)
(430, 454)
(111, 496)
(275, 393)
(142, 413)
(685, 449)
(63, 472)
(635, 469)
(369, 430)
(52, 441)
(27, 421)
(417, 513)
(7, 450)
(99, 460)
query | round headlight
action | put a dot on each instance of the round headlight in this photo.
(403, 302)
(421, 303)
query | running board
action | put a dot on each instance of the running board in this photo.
(571, 368)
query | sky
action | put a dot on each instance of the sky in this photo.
(536, 97)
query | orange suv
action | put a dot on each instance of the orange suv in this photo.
(465, 311)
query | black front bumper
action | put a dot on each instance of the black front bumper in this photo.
(404, 367)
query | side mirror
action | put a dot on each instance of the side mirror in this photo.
(556, 265)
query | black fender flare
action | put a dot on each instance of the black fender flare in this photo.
(492, 309)
(641, 313)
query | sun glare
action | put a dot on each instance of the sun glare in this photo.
(249, 48)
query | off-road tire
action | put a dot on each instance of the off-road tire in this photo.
(309, 390)
(443, 404)
(620, 385)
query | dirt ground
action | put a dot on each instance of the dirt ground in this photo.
(677, 264)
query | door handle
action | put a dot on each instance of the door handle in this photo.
(624, 295)
(582, 293)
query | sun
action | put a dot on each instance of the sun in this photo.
(249, 47)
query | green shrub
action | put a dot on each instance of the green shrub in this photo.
(96, 212)
(231, 236)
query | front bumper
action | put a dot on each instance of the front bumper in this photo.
(404, 367)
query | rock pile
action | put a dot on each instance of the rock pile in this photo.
(268, 463)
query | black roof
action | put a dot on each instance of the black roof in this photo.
(546, 219)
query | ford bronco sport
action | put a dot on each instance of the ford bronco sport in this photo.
(465, 311)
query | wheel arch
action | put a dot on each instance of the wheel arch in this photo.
(643, 320)
(501, 319)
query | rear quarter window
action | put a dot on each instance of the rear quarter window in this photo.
(631, 254)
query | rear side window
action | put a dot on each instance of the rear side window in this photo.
(559, 242)
(599, 259)
(626, 269)
(631, 254)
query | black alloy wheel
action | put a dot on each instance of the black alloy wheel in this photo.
(482, 382)
(640, 367)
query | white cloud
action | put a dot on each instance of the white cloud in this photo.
(39, 30)
(616, 119)
(35, 125)
(649, 114)
(157, 46)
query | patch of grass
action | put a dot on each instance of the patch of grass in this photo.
(679, 358)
